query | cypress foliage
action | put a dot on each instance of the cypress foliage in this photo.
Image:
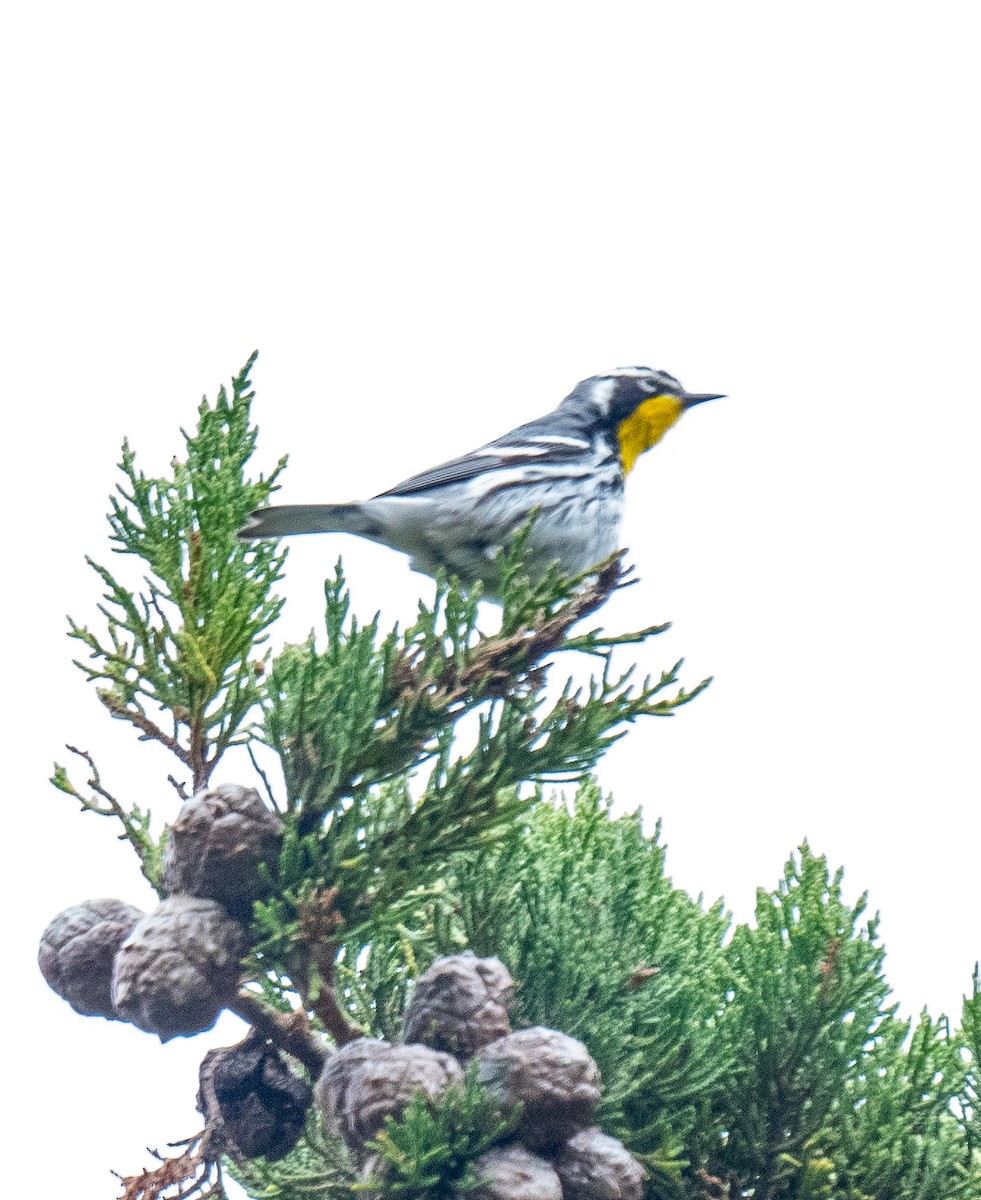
(759, 1060)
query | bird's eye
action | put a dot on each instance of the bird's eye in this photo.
(647, 385)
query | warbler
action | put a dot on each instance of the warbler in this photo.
(568, 466)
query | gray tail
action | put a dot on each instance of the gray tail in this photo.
(280, 520)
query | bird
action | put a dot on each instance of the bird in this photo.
(564, 472)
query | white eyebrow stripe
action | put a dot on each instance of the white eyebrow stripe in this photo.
(602, 393)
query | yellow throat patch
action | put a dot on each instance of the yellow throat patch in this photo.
(645, 427)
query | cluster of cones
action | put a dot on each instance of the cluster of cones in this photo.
(458, 1014)
(173, 970)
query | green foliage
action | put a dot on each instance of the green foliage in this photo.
(430, 1152)
(187, 642)
(135, 821)
(374, 973)
(766, 1065)
(577, 905)
(807, 996)
(369, 708)
(970, 1042)
(892, 1132)
(354, 722)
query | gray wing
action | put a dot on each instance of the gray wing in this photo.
(520, 446)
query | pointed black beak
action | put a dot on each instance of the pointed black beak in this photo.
(689, 399)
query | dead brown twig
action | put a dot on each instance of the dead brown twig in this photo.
(185, 1176)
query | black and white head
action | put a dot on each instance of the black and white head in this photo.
(636, 406)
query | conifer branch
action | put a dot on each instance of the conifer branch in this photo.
(149, 730)
(187, 643)
(179, 787)
(291, 1032)
(325, 1004)
(354, 721)
(135, 822)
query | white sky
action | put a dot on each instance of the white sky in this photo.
(433, 219)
